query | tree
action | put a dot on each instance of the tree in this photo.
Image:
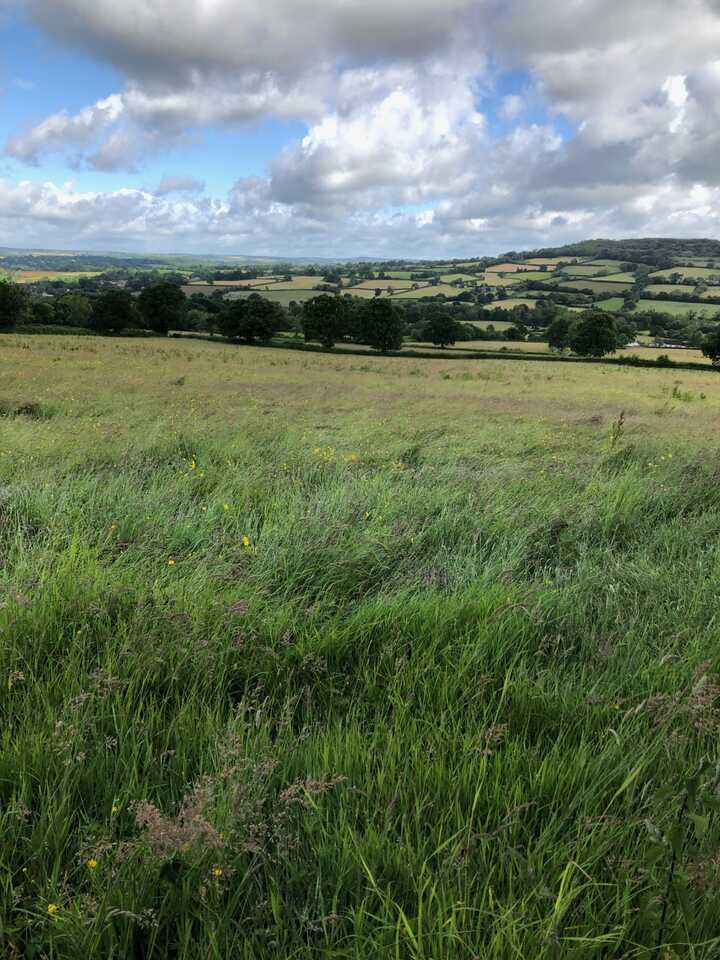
(113, 310)
(711, 345)
(594, 335)
(254, 318)
(441, 328)
(162, 307)
(72, 310)
(42, 312)
(14, 303)
(324, 318)
(381, 325)
(558, 334)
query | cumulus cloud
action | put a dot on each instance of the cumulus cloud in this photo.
(63, 130)
(178, 184)
(616, 129)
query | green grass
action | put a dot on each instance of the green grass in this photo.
(428, 676)
(597, 286)
(613, 304)
(678, 308)
(694, 273)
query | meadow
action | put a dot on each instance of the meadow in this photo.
(314, 656)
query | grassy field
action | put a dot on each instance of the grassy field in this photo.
(694, 273)
(679, 308)
(347, 657)
(597, 286)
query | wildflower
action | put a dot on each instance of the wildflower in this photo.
(91, 864)
(217, 873)
(246, 542)
(226, 506)
(115, 810)
(171, 563)
(52, 908)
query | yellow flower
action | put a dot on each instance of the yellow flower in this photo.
(115, 810)
(246, 541)
(52, 908)
(226, 506)
(171, 563)
(91, 864)
(217, 872)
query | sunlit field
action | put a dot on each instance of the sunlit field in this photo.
(321, 656)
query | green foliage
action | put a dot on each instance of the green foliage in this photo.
(113, 311)
(594, 334)
(254, 318)
(163, 307)
(441, 328)
(72, 310)
(325, 318)
(711, 345)
(14, 304)
(381, 325)
(558, 333)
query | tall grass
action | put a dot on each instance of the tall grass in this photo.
(302, 657)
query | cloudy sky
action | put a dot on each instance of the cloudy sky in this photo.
(357, 127)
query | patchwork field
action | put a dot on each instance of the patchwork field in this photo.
(691, 273)
(32, 276)
(678, 308)
(347, 657)
(597, 286)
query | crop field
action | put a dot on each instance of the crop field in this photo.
(614, 303)
(283, 297)
(342, 657)
(382, 285)
(467, 277)
(33, 276)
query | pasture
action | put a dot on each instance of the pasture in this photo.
(342, 657)
(678, 308)
(690, 273)
(33, 276)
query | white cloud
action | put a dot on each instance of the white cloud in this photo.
(397, 156)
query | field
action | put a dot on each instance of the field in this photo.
(342, 657)
(496, 280)
(32, 276)
(692, 273)
(585, 270)
(423, 292)
(614, 303)
(679, 308)
(511, 302)
(597, 286)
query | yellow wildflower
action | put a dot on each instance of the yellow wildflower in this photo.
(246, 542)
(171, 563)
(217, 873)
(52, 908)
(226, 506)
(91, 864)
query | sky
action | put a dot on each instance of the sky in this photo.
(347, 128)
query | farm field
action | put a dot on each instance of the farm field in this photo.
(331, 656)
(423, 292)
(679, 308)
(597, 286)
(613, 304)
(585, 270)
(32, 276)
(510, 302)
(621, 278)
(694, 273)
(496, 280)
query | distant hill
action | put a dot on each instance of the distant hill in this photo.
(657, 251)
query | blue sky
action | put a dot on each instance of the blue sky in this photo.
(460, 128)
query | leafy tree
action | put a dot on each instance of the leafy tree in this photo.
(14, 302)
(441, 328)
(113, 310)
(711, 345)
(42, 312)
(324, 318)
(382, 325)
(594, 335)
(72, 310)
(254, 318)
(162, 307)
(558, 333)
